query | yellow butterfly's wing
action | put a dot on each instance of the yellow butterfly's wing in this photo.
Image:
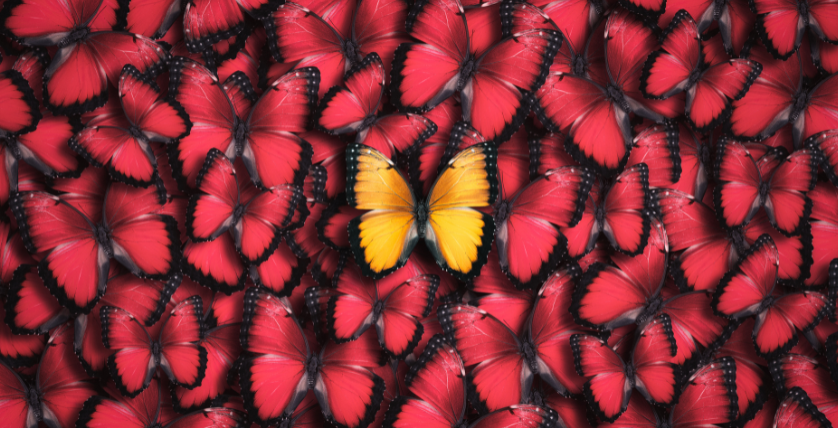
(382, 238)
(458, 235)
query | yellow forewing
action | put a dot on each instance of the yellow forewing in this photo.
(377, 184)
(465, 182)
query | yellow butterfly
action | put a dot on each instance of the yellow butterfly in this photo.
(458, 235)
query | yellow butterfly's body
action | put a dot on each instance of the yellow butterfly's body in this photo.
(458, 235)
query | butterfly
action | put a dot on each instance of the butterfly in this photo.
(748, 289)
(680, 67)
(207, 22)
(336, 38)
(284, 362)
(708, 397)
(824, 224)
(611, 296)
(81, 230)
(56, 394)
(446, 60)
(458, 235)
(121, 141)
(610, 380)
(734, 18)
(781, 96)
(225, 117)
(753, 176)
(782, 25)
(438, 387)
(395, 305)
(89, 53)
(593, 111)
(354, 107)
(504, 376)
(150, 408)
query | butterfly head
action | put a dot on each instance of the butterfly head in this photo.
(579, 64)
(312, 368)
(502, 211)
(103, 237)
(74, 36)
(377, 309)
(240, 129)
(528, 349)
(467, 70)
(137, 133)
(615, 95)
(653, 306)
(351, 51)
(801, 100)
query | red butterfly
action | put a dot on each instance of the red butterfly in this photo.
(826, 143)
(207, 22)
(151, 408)
(734, 18)
(503, 375)
(491, 82)
(622, 215)
(354, 107)
(336, 37)
(610, 380)
(437, 382)
(782, 24)
(121, 141)
(176, 349)
(90, 54)
(594, 112)
(395, 305)
(693, 322)
(263, 133)
(608, 297)
(57, 393)
(708, 398)
(23, 112)
(680, 67)
(824, 222)
(748, 290)
(80, 231)
(782, 96)
(284, 363)
(752, 176)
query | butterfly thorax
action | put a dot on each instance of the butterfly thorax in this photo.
(764, 187)
(803, 9)
(377, 309)
(33, 398)
(368, 121)
(421, 214)
(801, 100)
(103, 237)
(240, 134)
(467, 70)
(665, 423)
(694, 76)
(739, 244)
(238, 212)
(137, 133)
(502, 211)
(287, 423)
(653, 306)
(767, 302)
(74, 36)
(630, 374)
(156, 425)
(351, 51)
(704, 154)
(528, 351)
(614, 94)
(578, 64)
(156, 348)
(599, 214)
(313, 364)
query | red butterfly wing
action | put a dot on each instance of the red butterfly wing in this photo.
(273, 377)
(281, 272)
(668, 70)
(499, 297)
(551, 328)
(575, 18)
(752, 385)
(152, 18)
(692, 229)
(518, 416)
(824, 222)
(709, 100)
(350, 311)
(817, 116)
(210, 213)
(581, 109)
(378, 27)
(487, 345)
(132, 364)
(160, 120)
(344, 108)
(780, 25)
(273, 154)
(612, 296)
(529, 242)
(348, 391)
(693, 323)
(182, 356)
(655, 146)
(437, 379)
(18, 350)
(787, 205)
(61, 380)
(709, 396)
(22, 105)
(15, 410)
(656, 374)
(142, 410)
(742, 290)
(399, 325)
(626, 217)
(639, 414)
(775, 330)
(737, 196)
(607, 388)
(212, 112)
(95, 61)
(492, 99)
(31, 309)
(797, 410)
